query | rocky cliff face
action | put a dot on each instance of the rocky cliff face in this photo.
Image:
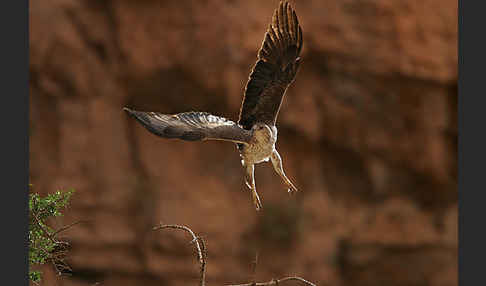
(367, 132)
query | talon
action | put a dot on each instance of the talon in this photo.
(277, 166)
(257, 205)
(292, 189)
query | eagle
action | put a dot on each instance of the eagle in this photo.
(255, 133)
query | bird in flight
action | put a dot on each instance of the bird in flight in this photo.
(255, 134)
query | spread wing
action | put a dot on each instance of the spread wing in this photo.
(191, 126)
(277, 65)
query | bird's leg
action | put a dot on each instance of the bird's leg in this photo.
(250, 183)
(277, 165)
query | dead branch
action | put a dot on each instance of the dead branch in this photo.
(200, 248)
(64, 228)
(201, 257)
(276, 282)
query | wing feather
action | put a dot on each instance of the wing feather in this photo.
(191, 126)
(275, 69)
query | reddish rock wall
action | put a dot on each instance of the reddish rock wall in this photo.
(367, 132)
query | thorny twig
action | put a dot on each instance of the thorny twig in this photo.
(277, 281)
(64, 228)
(57, 255)
(200, 247)
(201, 257)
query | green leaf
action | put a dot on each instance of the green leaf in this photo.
(41, 245)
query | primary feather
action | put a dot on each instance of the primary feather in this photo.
(191, 126)
(277, 65)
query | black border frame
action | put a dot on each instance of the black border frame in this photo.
(14, 29)
(471, 142)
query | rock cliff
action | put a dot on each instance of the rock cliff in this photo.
(367, 132)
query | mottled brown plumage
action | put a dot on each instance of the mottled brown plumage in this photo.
(255, 133)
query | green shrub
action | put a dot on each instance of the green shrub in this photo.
(44, 246)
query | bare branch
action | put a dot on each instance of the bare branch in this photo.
(277, 281)
(64, 228)
(203, 264)
(200, 247)
(201, 257)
